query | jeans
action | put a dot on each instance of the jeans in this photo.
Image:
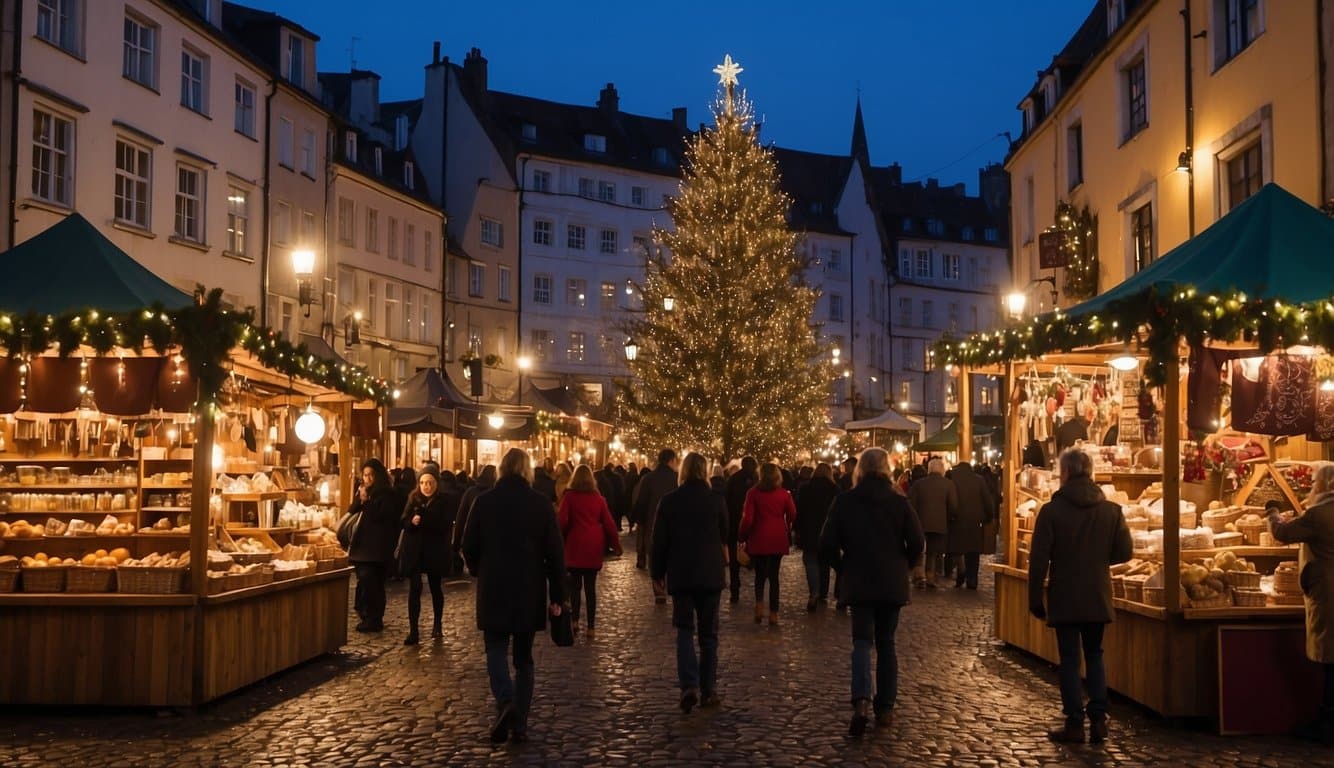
(370, 591)
(874, 624)
(687, 608)
(1069, 639)
(766, 569)
(498, 670)
(588, 577)
(968, 569)
(817, 573)
(433, 578)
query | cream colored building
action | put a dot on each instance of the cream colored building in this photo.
(1107, 124)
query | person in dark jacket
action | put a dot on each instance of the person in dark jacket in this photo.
(813, 502)
(588, 530)
(873, 538)
(1077, 537)
(660, 482)
(975, 508)
(609, 485)
(452, 493)
(936, 502)
(849, 469)
(629, 479)
(544, 480)
(688, 556)
(372, 545)
(485, 482)
(512, 545)
(427, 521)
(738, 485)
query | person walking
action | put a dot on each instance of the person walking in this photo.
(936, 502)
(372, 546)
(872, 537)
(688, 556)
(849, 469)
(586, 524)
(766, 529)
(609, 485)
(544, 480)
(1077, 537)
(425, 549)
(813, 502)
(563, 475)
(974, 510)
(512, 545)
(738, 485)
(650, 490)
(1315, 531)
(486, 480)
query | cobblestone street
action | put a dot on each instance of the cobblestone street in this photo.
(613, 701)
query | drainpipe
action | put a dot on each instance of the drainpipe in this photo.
(14, 77)
(264, 261)
(1190, 118)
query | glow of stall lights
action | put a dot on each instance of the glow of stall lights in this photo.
(172, 434)
(496, 420)
(1327, 385)
(218, 459)
(1124, 363)
(324, 492)
(310, 427)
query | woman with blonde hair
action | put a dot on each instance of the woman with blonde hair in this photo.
(585, 522)
(563, 475)
(1315, 530)
(766, 528)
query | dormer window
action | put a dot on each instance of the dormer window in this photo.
(400, 133)
(350, 147)
(409, 174)
(966, 233)
(295, 71)
(660, 157)
(817, 208)
(1116, 15)
(907, 223)
(379, 162)
(935, 226)
(530, 134)
(592, 142)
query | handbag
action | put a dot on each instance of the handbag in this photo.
(347, 529)
(562, 627)
(743, 557)
(408, 553)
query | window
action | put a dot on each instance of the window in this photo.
(1141, 235)
(835, 308)
(238, 220)
(372, 297)
(606, 192)
(372, 230)
(296, 60)
(905, 352)
(308, 226)
(986, 397)
(400, 132)
(608, 241)
(607, 296)
(540, 343)
(637, 196)
(935, 227)
(493, 233)
(907, 224)
(1074, 155)
(529, 132)
(193, 95)
(927, 307)
(1241, 20)
(834, 260)
(1116, 14)
(52, 158)
(1245, 175)
(288, 313)
(350, 147)
(308, 153)
(923, 263)
(244, 120)
(595, 143)
(972, 271)
(576, 290)
(1137, 97)
(428, 251)
(282, 222)
(574, 350)
(286, 137)
(541, 289)
(392, 249)
(639, 246)
(391, 316)
(476, 279)
(379, 162)
(541, 181)
(949, 266)
(409, 304)
(410, 245)
(660, 156)
(542, 232)
(575, 236)
(426, 333)
(954, 316)
(58, 23)
(189, 203)
(133, 172)
(991, 234)
(139, 62)
(409, 174)
(347, 223)
(905, 263)
(966, 233)
(503, 284)
(585, 187)
(347, 287)
(905, 312)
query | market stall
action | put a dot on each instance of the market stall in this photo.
(167, 476)
(894, 430)
(1198, 387)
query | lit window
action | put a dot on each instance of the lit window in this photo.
(607, 296)
(574, 350)
(238, 220)
(576, 292)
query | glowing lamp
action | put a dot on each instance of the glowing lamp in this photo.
(1124, 363)
(1015, 303)
(525, 362)
(1327, 385)
(496, 420)
(668, 303)
(310, 427)
(631, 350)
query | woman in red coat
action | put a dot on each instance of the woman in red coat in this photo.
(766, 525)
(586, 524)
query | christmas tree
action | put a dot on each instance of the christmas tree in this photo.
(728, 360)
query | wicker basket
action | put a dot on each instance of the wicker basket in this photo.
(1252, 530)
(48, 579)
(1134, 589)
(150, 581)
(217, 583)
(1242, 579)
(1287, 599)
(1249, 598)
(1119, 587)
(294, 574)
(327, 552)
(1222, 601)
(1286, 579)
(250, 558)
(9, 579)
(324, 566)
(90, 578)
(1217, 519)
(1155, 596)
(1228, 539)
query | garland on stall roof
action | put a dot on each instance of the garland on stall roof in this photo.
(205, 333)
(1158, 320)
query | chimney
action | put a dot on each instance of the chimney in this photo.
(435, 52)
(608, 101)
(895, 174)
(474, 66)
(960, 190)
(932, 184)
(679, 119)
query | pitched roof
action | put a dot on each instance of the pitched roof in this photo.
(815, 183)
(919, 203)
(336, 88)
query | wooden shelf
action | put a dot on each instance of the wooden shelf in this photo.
(18, 460)
(164, 509)
(1243, 612)
(70, 487)
(276, 586)
(266, 496)
(177, 487)
(94, 599)
(49, 512)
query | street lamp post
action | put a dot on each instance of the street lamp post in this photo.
(631, 350)
(524, 363)
(303, 264)
(1017, 299)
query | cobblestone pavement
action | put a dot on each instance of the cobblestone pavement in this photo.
(963, 701)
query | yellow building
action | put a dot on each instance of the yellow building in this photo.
(1159, 117)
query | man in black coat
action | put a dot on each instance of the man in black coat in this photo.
(512, 544)
(813, 502)
(936, 502)
(658, 483)
(688, 555)
(1077, 537)
(975, 509)
(873, 538)
(609, 485)
(544, 480)
(738, 485)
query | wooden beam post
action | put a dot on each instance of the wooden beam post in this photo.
(965, 415)
(1171, 491)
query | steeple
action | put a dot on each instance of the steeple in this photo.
(860, 150)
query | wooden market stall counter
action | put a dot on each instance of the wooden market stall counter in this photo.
(164, 650)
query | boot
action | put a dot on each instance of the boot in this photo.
(589, 635)
(861, 716)
(759, 613)
(435, 628)
(689, 698)
(1097, 730)
(412, 638)
(773, 618)
(811, 604)
(884, 719)
(1071, 733)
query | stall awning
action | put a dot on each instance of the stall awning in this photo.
(72, 267)
(474, 423)
(426, 403)
(890, 420)
(947, 439)
(555, 399)
(320, 348)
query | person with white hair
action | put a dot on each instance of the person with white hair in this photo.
(936, 501)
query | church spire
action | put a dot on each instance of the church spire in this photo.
(860, 150)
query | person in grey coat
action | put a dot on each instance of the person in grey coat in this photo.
(975, 508)
(1077, 537)
(936, 501)
(650, 490)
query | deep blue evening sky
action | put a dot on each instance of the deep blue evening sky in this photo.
(939, 78)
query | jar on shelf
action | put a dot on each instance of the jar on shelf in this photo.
(60, 475)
